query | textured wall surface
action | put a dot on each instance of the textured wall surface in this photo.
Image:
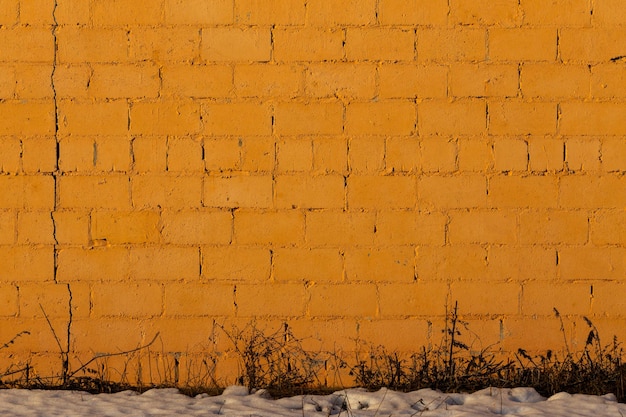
(352, 168)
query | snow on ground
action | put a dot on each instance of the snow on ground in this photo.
(236, 401)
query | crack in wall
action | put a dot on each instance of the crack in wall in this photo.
(55, 174)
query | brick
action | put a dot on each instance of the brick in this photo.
(608, 81)
(149, 154)
(294, 155)
(514, 263)
(608, 13)
(72, 81)
(32, 192)
(545, 154)
(412, 81)
(606, 299)
(410, 228)
(125, 227)
(582, 154)
(438, 155)
(403, 335)
(395, 264)
(493, 227)
(613, 154)
(111, 192)
(402, 154)
(326, 13)
(8, 80)
(366, 154)
(310, 192)
(424, 299)
(350, 228)
(466, 191)
(83, 44)
(33, 81)
(522, 118)
(9, 12)
(451, 45)
(516, 192)
(496, 298)
(26, 118)
(71, 227)
(199, 12)
(589, 118)
(268, 80)
(377, 192)
(185, 154)
(96, 264)
(124, 81)
(270, 12)
(258, 154)
(166, 191)
(10, 154)
(72, 13)
(54, 298)
(277, 300)
(165, 117)
(250, 154)
(83, 118)
(238, 191)
(343, 300)
(381, 118)
(76, 153)
(126, 12)
(309, 118)
(592, 192)
(475, 154)
(196, 300)
(39, 155)
(9, 305)
(553, 227)
(234, 44)
(196, 227)
(485, 12)
(164, 263)
(589, 45)
(172, 44)
(510, 154)
(556, 13)
(112, 154)
(309, 44)
(35, 227)
(27, 44)
(326, 335)
(113, 299)
(225, 263)
(558, 81)
(280, 228)
(98, 334)
(24, 263)
(452, 118)
(378, 44)
(591, 263)
(330, 155)
(237, 119)
(484, 80)
(414, 12)
(197, 81)
(308, 265)
(522, 44)
(7, 227)
(36, 12)
(344, 80)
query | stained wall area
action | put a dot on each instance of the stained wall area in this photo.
(351, 168)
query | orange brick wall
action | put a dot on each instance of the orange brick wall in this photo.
(352, 168)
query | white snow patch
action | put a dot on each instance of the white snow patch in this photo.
(237, 401)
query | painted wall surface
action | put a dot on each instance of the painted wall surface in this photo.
(351, 167)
